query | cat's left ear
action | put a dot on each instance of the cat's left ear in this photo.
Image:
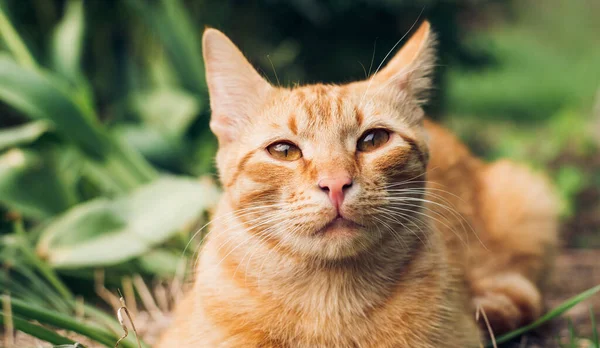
(410, 69)
(236, 89)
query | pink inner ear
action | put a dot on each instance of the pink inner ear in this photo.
(236, 89)
(227, 127)
(223, 129)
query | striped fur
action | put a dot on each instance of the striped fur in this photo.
(437, 234)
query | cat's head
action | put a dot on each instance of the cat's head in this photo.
(324, 171)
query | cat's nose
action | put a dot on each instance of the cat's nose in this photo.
(335, 188)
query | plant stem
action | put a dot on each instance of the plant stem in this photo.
(101, 316)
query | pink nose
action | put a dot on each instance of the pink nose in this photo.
(335, 187)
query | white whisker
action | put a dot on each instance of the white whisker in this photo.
(388, 54)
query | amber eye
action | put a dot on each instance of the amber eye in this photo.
(372, 139)
(284, 151)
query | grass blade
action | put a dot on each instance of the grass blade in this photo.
(40, 265)
(572, 334)
(27, 285)
(595, 338)
(25, 310)
(38, 331)
(14, 42)
(562, 308)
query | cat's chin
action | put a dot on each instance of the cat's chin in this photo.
(338, 239)
(339, 227)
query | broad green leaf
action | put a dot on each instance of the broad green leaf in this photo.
(39, 95)
(160, 262)
(31, 184)
(167, 109)
(157, 146)
(23, 134)
(106, 232)
(67, 41)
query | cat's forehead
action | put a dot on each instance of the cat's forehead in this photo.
(312, 109)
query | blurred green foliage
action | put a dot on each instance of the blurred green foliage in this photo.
(104, 113)
(534, 101)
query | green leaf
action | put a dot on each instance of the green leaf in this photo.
(23, 309)
(157, 146)
(167, 109)
(161, 262)
(31, 184)
(177, 34)
(15, 43)
(595, 336)
(106, 232)
(570, 180)
(25, 284)
(67, 41)
(23, 134)
(39, 95)
(38, 331)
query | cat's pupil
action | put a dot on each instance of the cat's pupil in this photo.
(283, 148)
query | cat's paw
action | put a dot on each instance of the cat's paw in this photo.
(508, 301)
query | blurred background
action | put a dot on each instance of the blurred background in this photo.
(106, 159)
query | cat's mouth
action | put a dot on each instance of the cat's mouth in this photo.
(339, 226)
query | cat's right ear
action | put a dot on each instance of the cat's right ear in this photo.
(235, 87)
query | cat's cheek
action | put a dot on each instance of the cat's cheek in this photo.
(397, 163)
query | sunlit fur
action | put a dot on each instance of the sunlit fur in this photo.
(436, 231)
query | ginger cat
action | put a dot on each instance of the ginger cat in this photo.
(350, 220)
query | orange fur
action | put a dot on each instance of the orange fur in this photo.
(437, 232)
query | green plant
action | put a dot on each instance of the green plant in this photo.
(106, 128)
(87, 190)
(552, 314)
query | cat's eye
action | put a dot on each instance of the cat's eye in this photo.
(372, 139)
(284, 151)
